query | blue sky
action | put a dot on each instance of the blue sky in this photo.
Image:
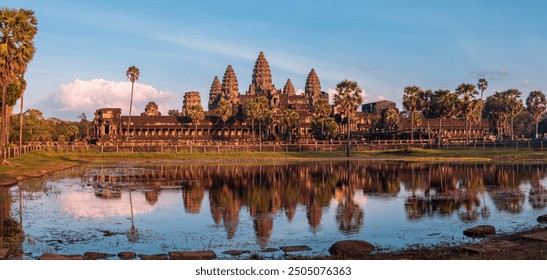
(85, 47)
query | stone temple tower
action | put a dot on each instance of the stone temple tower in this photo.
(214, 94)
(288, 89)
(230, 88)
(312, 91)
(191, 98)
(261, 83)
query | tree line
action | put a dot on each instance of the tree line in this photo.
(505, 111)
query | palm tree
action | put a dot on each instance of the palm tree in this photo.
(514, 106)
(467, 93)
(257, 109)
(17, 28)
(265, 114)
(132, 74)
(481, 85)
(496, 109)
(224, 111)
(536, 104)
(290, 119)
(445, 103)
(411, 103)
(196, 114)
(347, 100)
(391, 118)
(321, 111)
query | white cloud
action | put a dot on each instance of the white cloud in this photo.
(90, 95)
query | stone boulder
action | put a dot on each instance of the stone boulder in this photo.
(288, 249)
(192, 255)
(236, 252)
(4, 252)
(542, 219)
(96, 256)
(127, 255)
(59, 257)
(479, 231)
(351, 248)
(155, 257)
(269, 250)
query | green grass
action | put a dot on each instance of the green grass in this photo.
(39, 163)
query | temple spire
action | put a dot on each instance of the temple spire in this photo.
(288, 89)
(230, 88)
(214, 94)
(262, 77)
(312, 90)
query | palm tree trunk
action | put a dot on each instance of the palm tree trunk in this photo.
(322, 127)
(253, 129)
(349, 135)
(537, 122)
(439, 141)
(223, 127)
(9, 111)
(260, 132)
(465, 129)
(21, 121)
(4, 123)
(411, 126)
(130, 107)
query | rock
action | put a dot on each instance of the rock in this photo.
(498, 246)
(351, 248)
(542, 219)
(4, 253)
(192, 255)
(236, 252)
(479, 231)
(59, 257)
(269, 250)
(536, 236)
(288, 249)
(96, 256)
(127, 255)
(160, 257)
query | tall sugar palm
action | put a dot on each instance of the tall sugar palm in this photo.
(321, 111)
(467, 93)
(514, 106)
(224, 111)
(196, 114)
(481, 85)
(17, 30)
(411, 103)
(347, 100)
(445, 103)
(290, 119)
(536, 105)
(132, 75)
(23, 87)
(391, 119)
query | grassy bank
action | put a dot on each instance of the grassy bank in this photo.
(40, 163)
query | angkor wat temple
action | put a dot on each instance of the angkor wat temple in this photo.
(109, 126)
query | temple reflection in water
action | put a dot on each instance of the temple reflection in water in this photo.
(437, 189)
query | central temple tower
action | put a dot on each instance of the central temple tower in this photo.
(261, 83)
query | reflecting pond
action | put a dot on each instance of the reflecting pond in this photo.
(150, 208)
